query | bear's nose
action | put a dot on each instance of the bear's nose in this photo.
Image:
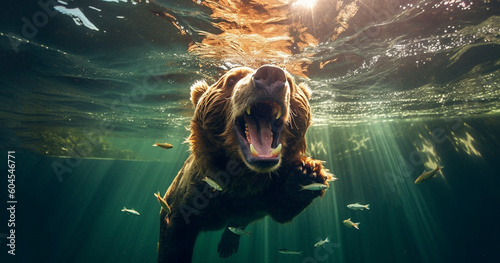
(270, 78)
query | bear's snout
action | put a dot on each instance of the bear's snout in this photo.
(270, 79)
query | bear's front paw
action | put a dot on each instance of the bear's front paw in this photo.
(310, 177)
(302, 181)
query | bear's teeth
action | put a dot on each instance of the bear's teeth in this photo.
(253, 151)
(276, 151)
(279, 113)
(248, 110)
(247, 133)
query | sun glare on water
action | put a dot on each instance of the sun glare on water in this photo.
(305, 3)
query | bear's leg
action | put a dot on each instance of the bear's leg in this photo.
(177, 240)
(287, 199)
(229, 242)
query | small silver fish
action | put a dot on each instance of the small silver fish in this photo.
(322, 242)
(349, 223)
(289, 252)
(162, 202)
(164, 145)
(358, 206)
(313, 187)
(427, 175)
(212, 183)
(239, 231)
(130, 211)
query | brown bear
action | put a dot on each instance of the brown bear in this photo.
(247, 135)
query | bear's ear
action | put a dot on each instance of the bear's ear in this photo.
(301, 87)
(307, 91)
(197, 90)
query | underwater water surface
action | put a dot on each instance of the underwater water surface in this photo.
(399, 88)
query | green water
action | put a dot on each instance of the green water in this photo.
(78, 218)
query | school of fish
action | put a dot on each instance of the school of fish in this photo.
(425, 176)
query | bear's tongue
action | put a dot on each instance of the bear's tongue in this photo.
(259, 135)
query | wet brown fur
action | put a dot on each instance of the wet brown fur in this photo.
(212, 132)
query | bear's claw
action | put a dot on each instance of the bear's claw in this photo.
(312, 168)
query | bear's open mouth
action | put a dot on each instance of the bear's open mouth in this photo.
(259, 131)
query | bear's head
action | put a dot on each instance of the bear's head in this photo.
(259, 116)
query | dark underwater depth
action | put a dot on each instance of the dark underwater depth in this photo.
(399, 87)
